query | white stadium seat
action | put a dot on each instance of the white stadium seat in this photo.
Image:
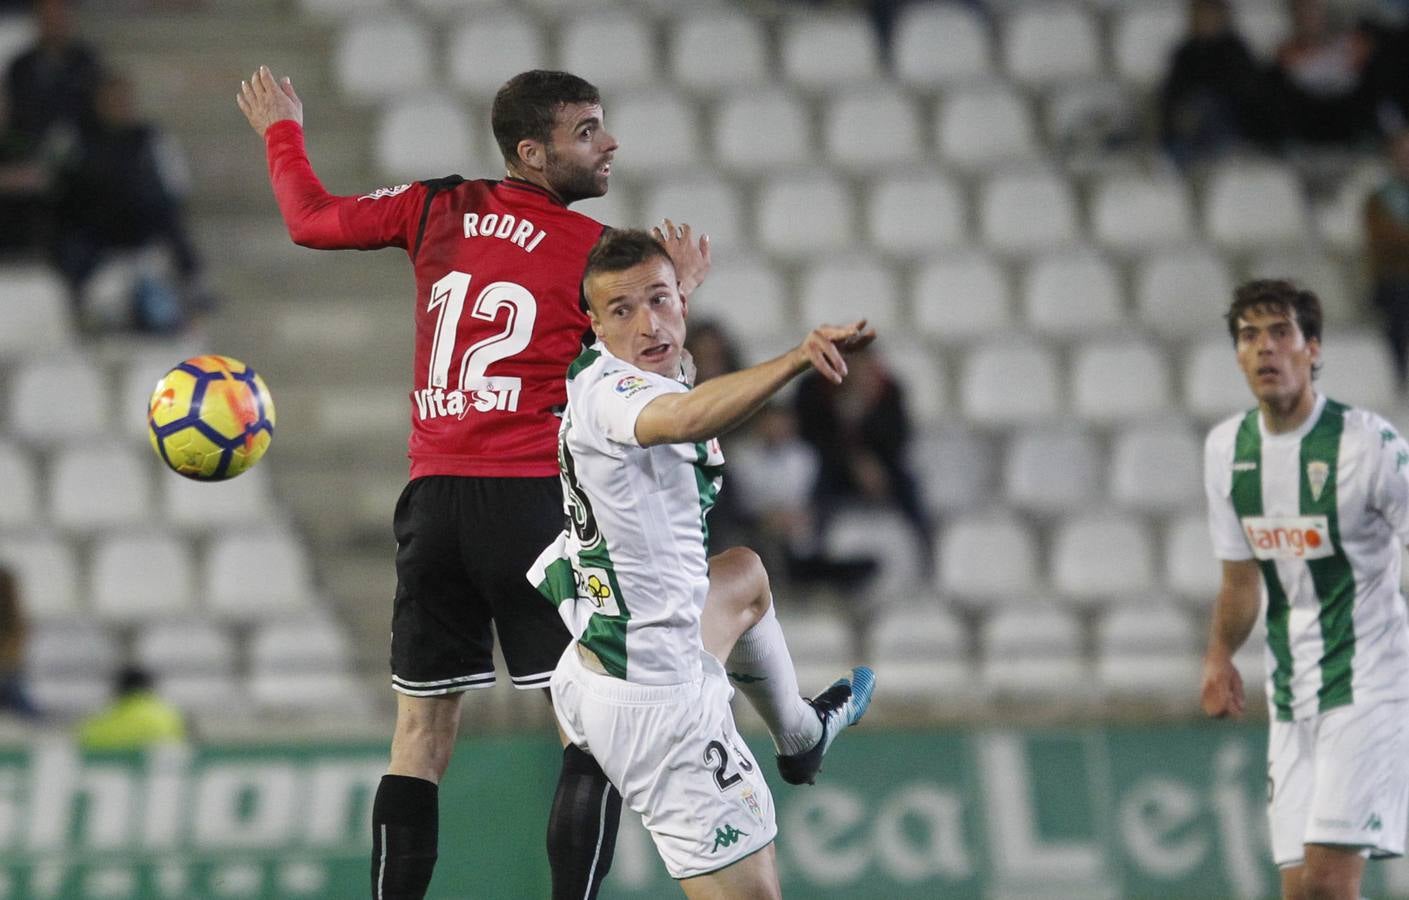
(987, 558)
(1026, 212)
(487, 50)
(140, 576)
(299, 695)
(35, 318)
(19, 488)
(1357, 369)
(383, 56)
(709, 204)
(955, 467)
(1052, 471)
(613, 49)
(219, 696)
(883, 535)
(1182, 291)
(1214, 386)
(657, 130)
(922, 651)
(71, 648)
(47, 573)
(1157, 467)
(1034, 652)
(805, 214)
(1139, 212)
(1011, 382)
(827, 51)
(1264, 24)
(200, 506)
(821, 643)
(922, 377)
(915, 214)
(185, 647)
(764, 129)
(1312, 269)
(984, 126)
(299, 645)
(1102, 556)
(1072, 294)
(101, 485)
(939, 45)
(1117, 380)
(331, 8)
(68, 697)
(1149, 650)
(1143, 39)
(1050, 42)
(447, 9)
(1190, 569)
(718, 49)
(1248, 206)
(56, 401)
(424, 137)
(747, 290)
(1090, 123)
(251, 576)
(842, 289)
(961, 297)
(871, 127)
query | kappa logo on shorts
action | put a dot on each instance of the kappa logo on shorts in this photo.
(629, 386)
(1373, 823)
(727, 836)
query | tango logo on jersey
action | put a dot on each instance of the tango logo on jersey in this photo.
(1288, 537)
(381, 192)
(629, 386)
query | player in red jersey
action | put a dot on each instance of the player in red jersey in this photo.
(498, 321)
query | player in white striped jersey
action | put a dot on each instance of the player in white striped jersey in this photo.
(1308, 505)
(642, 688)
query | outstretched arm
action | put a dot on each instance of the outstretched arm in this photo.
(724, 402)
(1234, 615)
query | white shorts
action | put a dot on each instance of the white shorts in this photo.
(677, 759)
(1340, 778)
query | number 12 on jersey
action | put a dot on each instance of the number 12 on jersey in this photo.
(473, 387)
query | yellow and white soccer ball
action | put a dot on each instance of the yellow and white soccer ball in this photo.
(210, 418)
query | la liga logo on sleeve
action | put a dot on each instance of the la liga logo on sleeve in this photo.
(629, 386)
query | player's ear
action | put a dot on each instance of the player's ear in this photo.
(532, 155)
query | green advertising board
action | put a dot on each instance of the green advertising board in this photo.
(1161, 812)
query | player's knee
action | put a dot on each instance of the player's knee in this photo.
(748, 568)
(1326, 883)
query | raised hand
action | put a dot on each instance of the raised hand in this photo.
(826, 346)
(265, 101)
(691, 258)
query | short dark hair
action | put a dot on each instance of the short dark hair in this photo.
(1277, 295)
(526, 106)
(617, 250)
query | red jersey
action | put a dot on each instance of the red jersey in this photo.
(498, 266)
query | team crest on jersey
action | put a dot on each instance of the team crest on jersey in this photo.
(751, 801)
(629, 386)
(381, 192)
(1316, 474)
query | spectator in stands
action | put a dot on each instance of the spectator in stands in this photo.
(119, 205)
(714, 353)
(1208, 103)
(24, 187)
(138, 717)
(1320, 78)
(1387, 243)
(14, 633)
(50, 87)
(860, 430)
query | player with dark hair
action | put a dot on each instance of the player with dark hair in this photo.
(1308, 504)
(497, 267)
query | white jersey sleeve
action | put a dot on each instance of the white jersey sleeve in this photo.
(1389, 476)
(615, 401)
(1229, 540)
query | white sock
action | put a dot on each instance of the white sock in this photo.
(761, 667)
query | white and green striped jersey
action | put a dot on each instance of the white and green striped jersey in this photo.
(1325, 512)
(629, 572)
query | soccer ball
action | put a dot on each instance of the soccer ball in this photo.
(210, 418)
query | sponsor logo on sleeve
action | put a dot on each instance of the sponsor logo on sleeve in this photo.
(381, 192)
(629, 386)
(1288, 537)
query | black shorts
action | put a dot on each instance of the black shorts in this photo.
(463, 550)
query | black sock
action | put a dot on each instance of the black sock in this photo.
(405, 831)
(582, 827)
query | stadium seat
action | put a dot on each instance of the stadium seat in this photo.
(1101, 556)
(824, 52)
(1025, 212)
(100, 485)
(1120, 379)
(915, 214)
(1132, 212)
(821, 643)
(922, 377)
(658, 132)
(299, 695)
(1143, 39)
(984, 126)
(1340, 217)
(488, 49)
(1090, 123)
(446, 9)
(137, 378)
(1052, 471)
(219, 696)
(745, 290)
(256, 575)
(300, 645)
(987, 558)
(937, 45)
(201, 506)
(1182, 291)
(1248, 206)
(47, 573)
(59, 400)
(72, 648)
(341, 8)
(922, 651)
(428, 133)
(1190, 569)
(1357, 369)
(68, 697)
(1311, 268)
(383, 56)
(805, 214)
(717, 49)
(710, 205)
(869, 128)
(1072, 294)
(961, 297)
(758, 130)
(17, 33)
(1012, 382)
(141, 576)
(35, 318)
(1149, 650)
(613, 49)
(19, 488)
(616, 207)
(1034, 653)
(956, 467)
(185, 646)
(1049, 42)
(1264, 24)
(883, 535)
(842, 289)
(1157, 467)
(1214, 387)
